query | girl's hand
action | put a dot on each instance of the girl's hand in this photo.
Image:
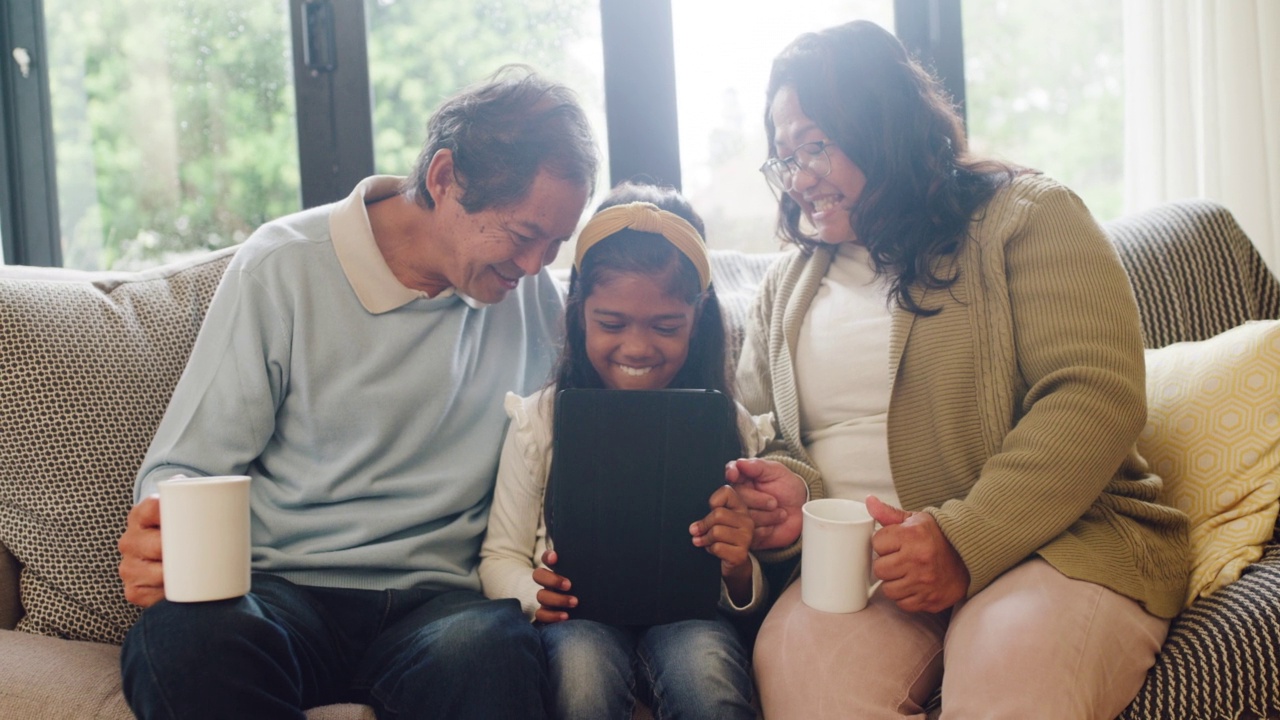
(726, 532)
(774, 496)
(552, 598)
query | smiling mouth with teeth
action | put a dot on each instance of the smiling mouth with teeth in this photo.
(634, 371)
(823, 205)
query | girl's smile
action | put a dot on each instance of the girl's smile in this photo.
(637, 333)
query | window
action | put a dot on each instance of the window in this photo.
(414, 64)
(422, 51)
(173, 125)
(1062, 114)
(180, 127)
(724, 50)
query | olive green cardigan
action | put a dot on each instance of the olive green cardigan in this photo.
(1015, 409)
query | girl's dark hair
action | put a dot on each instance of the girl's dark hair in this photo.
(632, 251)
(893, 120)
(501, 133)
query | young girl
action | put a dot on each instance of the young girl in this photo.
(640, 314)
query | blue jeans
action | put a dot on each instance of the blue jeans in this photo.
(285, 647)
(690, 669)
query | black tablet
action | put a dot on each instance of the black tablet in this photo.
(630, 471)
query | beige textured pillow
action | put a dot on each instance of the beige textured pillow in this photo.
(1213, 434)
(86, 371)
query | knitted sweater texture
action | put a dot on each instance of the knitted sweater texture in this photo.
(1015, 409)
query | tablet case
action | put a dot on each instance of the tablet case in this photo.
(631, 470)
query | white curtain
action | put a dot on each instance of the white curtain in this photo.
(1202, 109)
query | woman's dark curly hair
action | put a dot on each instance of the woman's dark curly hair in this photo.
(890, 117)
(631, 251)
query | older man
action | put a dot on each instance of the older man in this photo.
(353, 362)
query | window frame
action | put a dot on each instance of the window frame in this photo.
(29, 215)
(335, 149)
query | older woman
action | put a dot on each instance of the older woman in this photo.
(956, 338)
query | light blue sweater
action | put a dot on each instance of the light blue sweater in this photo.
(372, 438)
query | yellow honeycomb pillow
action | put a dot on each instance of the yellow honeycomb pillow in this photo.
(1213, 434)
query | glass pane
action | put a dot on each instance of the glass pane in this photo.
(422, 51)
(174, 125)
(1064, 112)
(723, 50)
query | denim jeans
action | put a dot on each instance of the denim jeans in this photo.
(690, 669)
(286, 647)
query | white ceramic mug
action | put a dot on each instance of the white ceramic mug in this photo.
(204, 537)
(835, 561)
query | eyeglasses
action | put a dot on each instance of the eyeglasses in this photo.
(810, 157)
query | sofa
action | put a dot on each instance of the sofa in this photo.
(88, 361)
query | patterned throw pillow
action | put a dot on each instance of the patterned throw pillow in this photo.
(1213, 434)
(86, 371)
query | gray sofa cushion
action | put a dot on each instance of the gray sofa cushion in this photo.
(51, 678)
(736, 276)
(55, 679)
(87, 371)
